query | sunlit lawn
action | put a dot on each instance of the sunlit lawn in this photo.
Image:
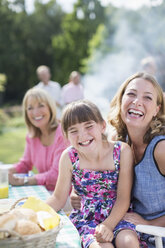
(12, 139)
(12, 142)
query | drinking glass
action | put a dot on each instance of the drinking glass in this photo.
(4, 183)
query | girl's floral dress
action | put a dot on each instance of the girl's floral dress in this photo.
(98, 191)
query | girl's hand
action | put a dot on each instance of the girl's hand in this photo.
(75, 200)
(103, 234)
(135, 218)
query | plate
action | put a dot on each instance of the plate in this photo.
(6, 166)
(5, 205)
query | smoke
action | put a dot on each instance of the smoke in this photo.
(132, 45)
(101, 86)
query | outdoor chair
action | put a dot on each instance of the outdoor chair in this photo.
(156, 231)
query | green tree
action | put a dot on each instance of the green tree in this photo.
(137, 35)
(101, 42)
(25, 43)
(70, 47)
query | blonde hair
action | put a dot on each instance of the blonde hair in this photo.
(78, 112)
(41, 96)
(157, 124)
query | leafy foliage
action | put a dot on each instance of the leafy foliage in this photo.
(26, 44)
(71, 46)
(73, 41)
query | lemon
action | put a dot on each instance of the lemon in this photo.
(46, 220)
(38, 205)
(51, 222)
(47, 216)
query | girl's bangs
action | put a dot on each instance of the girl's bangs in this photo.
(79, 115)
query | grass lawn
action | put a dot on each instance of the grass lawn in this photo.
(12, 143)
(12, 140)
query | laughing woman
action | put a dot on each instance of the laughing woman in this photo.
(138, 115)
(44, 141)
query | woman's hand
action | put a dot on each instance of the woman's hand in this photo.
(75, 200)
(13, 180)
(103, 233)
(135, 218)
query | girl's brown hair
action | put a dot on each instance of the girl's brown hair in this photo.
(78, 112)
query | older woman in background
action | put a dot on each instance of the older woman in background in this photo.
(44, 141)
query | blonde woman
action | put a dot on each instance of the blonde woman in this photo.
(44, 141)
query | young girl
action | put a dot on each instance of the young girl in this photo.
(101, 172)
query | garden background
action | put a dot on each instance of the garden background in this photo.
(105, 44)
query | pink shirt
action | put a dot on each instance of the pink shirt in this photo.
(44, 158)
(72, 92)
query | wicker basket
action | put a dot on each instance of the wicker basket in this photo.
(40, 240)
(45, 239)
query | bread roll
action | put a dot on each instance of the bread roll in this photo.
(26, 227)
(7, 221)
(25, 213)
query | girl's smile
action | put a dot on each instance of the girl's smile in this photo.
(86, 143)
(85, 134)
